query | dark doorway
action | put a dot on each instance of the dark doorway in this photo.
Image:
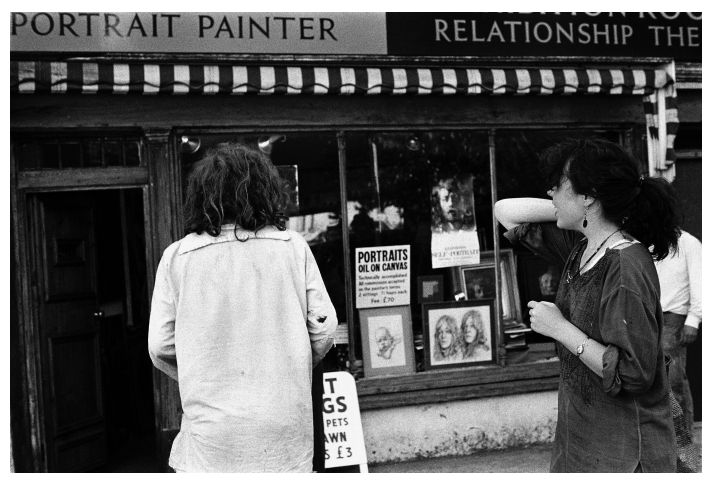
(93, 317)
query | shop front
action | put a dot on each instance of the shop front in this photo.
(395, 146)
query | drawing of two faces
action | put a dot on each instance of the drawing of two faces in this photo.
(464, 342)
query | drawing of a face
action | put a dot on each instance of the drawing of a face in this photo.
(384, 339)
(444, 334)
(469, 329)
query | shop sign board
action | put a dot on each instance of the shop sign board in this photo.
(343, 434)
(616, 34)
(508, 34)
(382, 276)
(199, 32)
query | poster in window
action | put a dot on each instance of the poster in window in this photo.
(453, 228)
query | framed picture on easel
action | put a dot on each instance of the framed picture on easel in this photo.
(459, 333)
(387, 340)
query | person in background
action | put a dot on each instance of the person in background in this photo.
(239, 317)
(614, 408)
(548, 282)
(681, 299)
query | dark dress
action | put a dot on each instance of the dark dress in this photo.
(622, 421)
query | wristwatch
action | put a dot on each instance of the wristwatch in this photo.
(581, 347)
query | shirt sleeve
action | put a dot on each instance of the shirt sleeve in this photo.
(693, 259)
(545, 240)
(321, 314)
(629, 330)
(161, 325)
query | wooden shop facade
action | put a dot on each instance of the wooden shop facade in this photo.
(363, 113)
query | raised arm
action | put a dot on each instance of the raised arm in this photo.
(512, 212)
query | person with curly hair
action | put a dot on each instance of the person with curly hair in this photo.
(239, 317)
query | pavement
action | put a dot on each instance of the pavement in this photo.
(533, 459)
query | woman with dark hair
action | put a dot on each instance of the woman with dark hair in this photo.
(614, 413)
(239, 317)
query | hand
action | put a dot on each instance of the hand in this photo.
(689, 335)
(545, 318)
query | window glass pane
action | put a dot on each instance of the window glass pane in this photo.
(70, 154)
(92, 153)
(517, 155)
(391, 199)
(49, 156)
(113, 153)
(84, 151)
(133, 153)
(28, 155)
(311, 162)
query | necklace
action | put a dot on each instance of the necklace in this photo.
(570, 276)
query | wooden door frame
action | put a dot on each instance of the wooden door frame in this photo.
(159, 180)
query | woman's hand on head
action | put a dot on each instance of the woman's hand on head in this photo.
(545, 318)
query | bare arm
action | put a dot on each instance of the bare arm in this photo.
(512, 212)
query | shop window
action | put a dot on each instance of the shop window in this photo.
(47, 153)
(394, 200)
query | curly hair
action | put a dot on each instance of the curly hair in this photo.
(644, 207)
(234, 184)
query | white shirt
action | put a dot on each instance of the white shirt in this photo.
(238, 321)
(680, 277)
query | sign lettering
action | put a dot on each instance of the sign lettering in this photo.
(382, 276)
(630, 34)
(343, 435)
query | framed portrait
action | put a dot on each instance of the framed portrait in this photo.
(387, 341)
(539, 280)
(430, 288)
(459, 333)
(478, 281)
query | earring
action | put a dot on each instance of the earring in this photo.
(585, 221)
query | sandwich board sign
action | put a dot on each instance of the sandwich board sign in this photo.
(343, 434)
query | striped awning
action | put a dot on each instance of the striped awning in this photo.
(139, 78)
(84, 77)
